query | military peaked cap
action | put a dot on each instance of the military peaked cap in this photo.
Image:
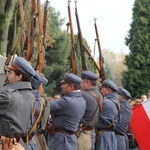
(41, 78)
(35, 83)
(110, 84)
(71, 78)
(126, 95)
(37, 80)
(88, 75)
(23, 65)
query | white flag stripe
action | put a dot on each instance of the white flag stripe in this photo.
(146, 106)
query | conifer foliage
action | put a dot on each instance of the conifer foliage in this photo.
(137, 78)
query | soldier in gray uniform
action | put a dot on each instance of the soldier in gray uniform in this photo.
(124, 120)
(16, 102)
(66, 114)
(94, 102)
(106, 138)
(38, 141)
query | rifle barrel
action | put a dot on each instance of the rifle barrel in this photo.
(101, 60)
(31, 31)
(82, 48)
(73, 52)
(91, 57)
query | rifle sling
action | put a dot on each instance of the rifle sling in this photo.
(98, 106)
(38, 117)
(115, 119)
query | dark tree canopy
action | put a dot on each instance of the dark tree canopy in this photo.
(137, 78)
(57, 43)
(58, 59)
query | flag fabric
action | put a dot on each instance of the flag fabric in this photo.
(140, 124)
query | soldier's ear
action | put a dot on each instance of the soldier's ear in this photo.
(88, 81)
(19, 77)
(109, 90)
(71, 85)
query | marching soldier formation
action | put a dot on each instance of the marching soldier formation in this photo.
(94, 102)
(83, 118)
(90, 112)
(66, 114)
(105, 135)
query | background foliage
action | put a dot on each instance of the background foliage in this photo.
(137, 78)
(135, 68)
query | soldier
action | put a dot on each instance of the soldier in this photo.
(124, 120)
(105, 135)
(94, 101)
(66, 114)
(38, 141)
(16, 103)
(56, 96)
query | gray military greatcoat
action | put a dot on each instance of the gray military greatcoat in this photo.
(122, 125)
(66, 114)
(107, 138)
(16, 102)
(91, 106)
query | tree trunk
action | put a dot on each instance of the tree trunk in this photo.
(6, 14)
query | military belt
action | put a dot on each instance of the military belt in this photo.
(87, 128)
(100, 130)
(64, 131)
(119, 133)
(104, 129)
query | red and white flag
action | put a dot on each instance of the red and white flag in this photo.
(140, 124)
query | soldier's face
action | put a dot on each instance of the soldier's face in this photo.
(66, 88)
(83, 85)
(120, 97)
(105, 90)
(56, 97)
(11, 77)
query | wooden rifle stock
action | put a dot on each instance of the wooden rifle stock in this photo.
(23, 28)
(82, 48)
(30, 45)
(11, 56)
(16, 40)
(41, 49)
(73, 52)
(101, 60)
(45, 19)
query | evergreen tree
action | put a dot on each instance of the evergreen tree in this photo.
(57, 54)
(137, 78)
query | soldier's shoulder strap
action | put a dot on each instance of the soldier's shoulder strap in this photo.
(38, 118)
(99, 105)
(97, 99)
(117, 116)
(46, 114)
(37, 115)
(116, 104)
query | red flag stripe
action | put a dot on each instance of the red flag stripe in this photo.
(140, 127)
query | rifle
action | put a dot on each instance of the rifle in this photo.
(45, 19)
(32, 25)
(82, 48)
(23, 28)
(101, 60)
(16, 39)
(73, 52)
(41, 49)
(91, 57)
